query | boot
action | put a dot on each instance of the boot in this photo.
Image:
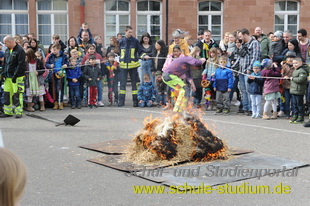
(265, 116)
(61, 105)
(56, 105)
(135, 100)
(42, 106)
(274, 115)
(121, 100)
(30, 107)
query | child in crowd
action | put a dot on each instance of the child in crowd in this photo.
(287, 72)
(197, 77)
(298, 89)
(277, 45)
(146, 93)
(56, 40)
(74, 77)
(34, 82)
(13, 178)
(57, 61)
(112, 71)
(223, 83)
(208, 73)
(161, 89)
(75, 55)
(256, 90)
(84, 27)
(271, 87)
(92, 75)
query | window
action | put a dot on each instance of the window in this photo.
(116, 18)
(149, 19)
(13, 18)
(286, 16)
(52, 19)
(210, 16)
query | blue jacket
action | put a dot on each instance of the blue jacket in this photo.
(146, 92)
(223, 79)
(52, 59)
(74, 73)
(131, 51)
(256, 85)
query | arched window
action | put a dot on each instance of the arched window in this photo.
(117, 17)
(210, 16)
(13, 17)
(52, 19)
(286, 16)
(149, 18)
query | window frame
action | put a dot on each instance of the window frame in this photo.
(210, 14)
(117, 25)
(148, 15)
(52, 14)
(13, 24)
(287, 13)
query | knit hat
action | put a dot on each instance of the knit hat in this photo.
(1, 54)
(158, 73)
(290, 54)
(266, 63)
(256, 64)
(278, 34)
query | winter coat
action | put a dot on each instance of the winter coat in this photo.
(92, 72)
(265, 47)
(271, 85)
(205, 48)
(276, 47)
(299, 81)
(130, 52)
(74, 73)
(223, 79)
(14, 63)
(161, 60)
(181, 67)
(183, 45)
(147, 92)
(256, 85)
(161, 87)
(52, 59)
(287, 70)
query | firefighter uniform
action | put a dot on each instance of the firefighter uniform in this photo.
(14, 73)
(130, 50)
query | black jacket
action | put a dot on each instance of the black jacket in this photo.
(92, 72)
(14, 63)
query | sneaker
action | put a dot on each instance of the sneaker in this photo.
(18, 116)
(73, 107)
(248, 113)
(79, 106)
(281, 114)
(90, 106)
(240, 111)
(226, 111)
(237, 103)
(258, 116)
(253, 116)
(219, 111)
(3, 115)
(294, 118)
(100, 104)
(94, 106)
(299, 121)
(135, 104)
(307, 124)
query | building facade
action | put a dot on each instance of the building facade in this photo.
(158, 17)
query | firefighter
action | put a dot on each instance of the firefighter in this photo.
(130, 51)
(14, 73)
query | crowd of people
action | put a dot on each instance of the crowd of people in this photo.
(273, 66)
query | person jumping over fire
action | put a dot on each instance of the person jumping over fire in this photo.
(174, 74)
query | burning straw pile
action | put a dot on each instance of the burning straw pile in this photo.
(175, 138)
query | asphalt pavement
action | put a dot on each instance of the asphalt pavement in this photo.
(58, 173)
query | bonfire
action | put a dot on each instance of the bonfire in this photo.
(175, 138)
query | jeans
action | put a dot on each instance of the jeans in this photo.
(100, 89)
(145, 104)
(146, 66)
(246, 100)
(59, 89)
(288, 101)
(222, 100)
(298, 105)
(162, 98)
(256, 104)
(75, 97)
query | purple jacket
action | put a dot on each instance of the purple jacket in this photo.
(271, 85)
(181, 67)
